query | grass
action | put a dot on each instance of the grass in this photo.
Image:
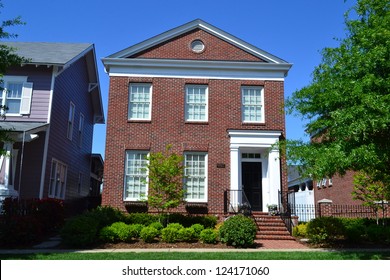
(314, 255)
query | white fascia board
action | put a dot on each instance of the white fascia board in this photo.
(253, 138)
(196, 69)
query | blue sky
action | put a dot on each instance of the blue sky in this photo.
(294, 30)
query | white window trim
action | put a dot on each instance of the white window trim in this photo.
(65, 179)
(206, 189)
(207, 103)
(14, 79)
(70, 123)
(81, 130)
(262, 104)
(125, 198)
(150, 102)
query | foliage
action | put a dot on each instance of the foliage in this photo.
(239, 231)
(346, 104)
(325, 230)
(80, 231)
(187, 221)
(198, 228)
(187, 234)
(149, 234)
(170, 234)
(135, 230)
(165, 180)
(107, 234)
(106, 215)
(141, 218)
(369, 191)
(300, 230)
(20, 231)
(157, 225)
(208, 236)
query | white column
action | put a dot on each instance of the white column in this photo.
(235, 177)
(7, 190)
(274, 176)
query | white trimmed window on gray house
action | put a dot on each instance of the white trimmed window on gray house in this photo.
(196, 176)
(58, 176)
(72, 109)
(81, 130)
(252, 102)
(140, 100)
(196, 103)
(136, 175)
(16, 95)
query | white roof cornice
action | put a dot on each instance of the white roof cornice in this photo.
(198, 23)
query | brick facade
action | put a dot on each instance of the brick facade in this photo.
(168, 125)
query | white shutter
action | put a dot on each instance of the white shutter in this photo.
(25, 105)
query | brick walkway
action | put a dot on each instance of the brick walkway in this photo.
(280, 244)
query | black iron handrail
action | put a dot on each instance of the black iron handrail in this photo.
(237, 202)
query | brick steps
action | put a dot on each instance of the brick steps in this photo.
(270, 227)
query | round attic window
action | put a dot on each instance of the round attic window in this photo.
(197, 46)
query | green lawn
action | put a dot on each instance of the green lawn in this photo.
(316, 255)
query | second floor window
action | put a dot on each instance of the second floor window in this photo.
(70, 121)
(252, 104)
(140, 96)
(196, 103)
(15, 95)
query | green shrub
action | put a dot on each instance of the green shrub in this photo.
(198, 229)
(325, 230)
(121, 231)
(187, 234)
(157, 225)
(170, 234)
(81, 231)
(107, 234)
(238, 231)
(378, 234)
(141, 218)
(149, 234)
(208, 236)
(300, 230)
(135, 230)
(188, 221)
(355, 229)
(106, 215)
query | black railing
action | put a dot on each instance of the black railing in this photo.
(285, 210)
(236, 201)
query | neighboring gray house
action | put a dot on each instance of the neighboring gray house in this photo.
(53, 102)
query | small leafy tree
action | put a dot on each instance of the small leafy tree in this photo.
(165, 180)
(373, 193)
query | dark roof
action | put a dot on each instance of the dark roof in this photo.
(49, 53)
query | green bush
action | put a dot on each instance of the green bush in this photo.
(106, 215)
(121, 231)
(355, 229)
(141, 218)
(157, 225)
(107, 234)
(135, 230)
(188, 221)
(238, 231)
(208, 236)
(170, 234)
(198, 229)
(149, 234)
(81, 231)
(378, 234)
(300, 230)
(187, 234)
(325, 230)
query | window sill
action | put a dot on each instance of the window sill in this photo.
(139, 121)
(197, 123)
(253, 123)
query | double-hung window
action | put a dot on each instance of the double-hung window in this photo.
(136, 175)
(196, 176)
(72, 109)
(57, 179)
(140, 97)
(252, 104)
(15, 95)
(196, 103)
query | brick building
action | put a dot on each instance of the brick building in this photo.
(217, 99)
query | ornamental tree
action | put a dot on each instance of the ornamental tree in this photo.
(347, 102)
(165, 180)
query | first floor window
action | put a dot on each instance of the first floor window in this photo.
(196, 177)
(252, 104)
(135, 175)
(57, 179)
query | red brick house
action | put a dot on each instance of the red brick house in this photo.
(217, 99)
